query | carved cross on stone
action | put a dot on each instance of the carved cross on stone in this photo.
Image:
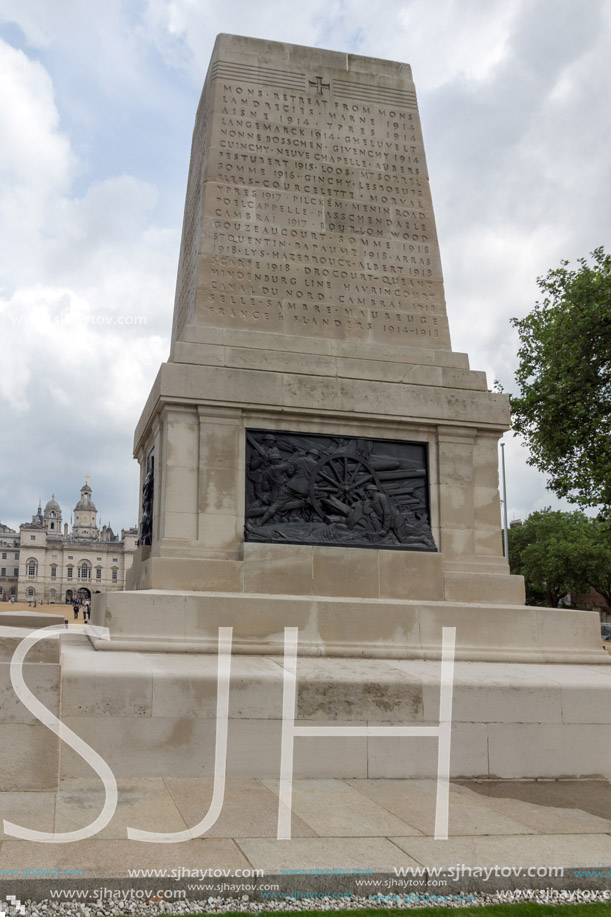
(318, 83)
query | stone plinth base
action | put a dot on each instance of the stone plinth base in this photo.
(319, 570)
(29, 752)
(153, 715)
(187, 622)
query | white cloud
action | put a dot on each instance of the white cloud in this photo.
(514, 98)
(33, 148)
(35, 158)
(185, 31)
(453, 37)
(76, 357)
(98, 46)
(86, 289)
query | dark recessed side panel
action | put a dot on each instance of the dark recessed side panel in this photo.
(337, 490)
(146, 524)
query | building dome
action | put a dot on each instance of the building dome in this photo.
(52, 506)
(86, 503)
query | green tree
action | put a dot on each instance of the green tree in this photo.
(556, 553)
(519, 538)
(600, 576)
(564, 379)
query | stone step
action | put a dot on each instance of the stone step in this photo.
(153, 715)
(163, 621)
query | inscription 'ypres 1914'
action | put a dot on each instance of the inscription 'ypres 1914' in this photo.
(351, 491)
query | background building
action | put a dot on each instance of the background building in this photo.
(50, 562)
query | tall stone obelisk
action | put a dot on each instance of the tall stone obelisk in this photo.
(310, 310)
(316, 457)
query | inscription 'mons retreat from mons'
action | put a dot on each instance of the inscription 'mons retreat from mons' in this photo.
(309, 210)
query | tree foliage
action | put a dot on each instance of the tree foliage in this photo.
(564, 378)
(558, 553)
(600, 577)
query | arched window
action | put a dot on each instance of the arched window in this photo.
(53, 571)
(84, 570)
(69, 572)
(31, 567)
(30, 593)
(115, 574)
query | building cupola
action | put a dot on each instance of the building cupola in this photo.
(85, 516)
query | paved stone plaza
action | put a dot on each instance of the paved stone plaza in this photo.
(349, 824)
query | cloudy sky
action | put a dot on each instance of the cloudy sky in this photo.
(97, 103)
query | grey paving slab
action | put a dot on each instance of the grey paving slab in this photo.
(249, 808)
(414, 801)
(333, 808)
(538, 813)
(592, 796)
(376, 853)
(29, 810)
(144, 803)
(528, 851)
(112, 858)
(514, 823)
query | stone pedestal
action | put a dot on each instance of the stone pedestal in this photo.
(310, 330)
(187, 622)
(310, 301)
(154, 715)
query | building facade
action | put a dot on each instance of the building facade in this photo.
(48, 561)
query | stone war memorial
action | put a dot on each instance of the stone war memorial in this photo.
(315, 456)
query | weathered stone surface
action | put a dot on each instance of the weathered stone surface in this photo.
(310, 309)
(509, 719)
(29, 751)
(310, 300)
(375, 627)
(308, 206)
